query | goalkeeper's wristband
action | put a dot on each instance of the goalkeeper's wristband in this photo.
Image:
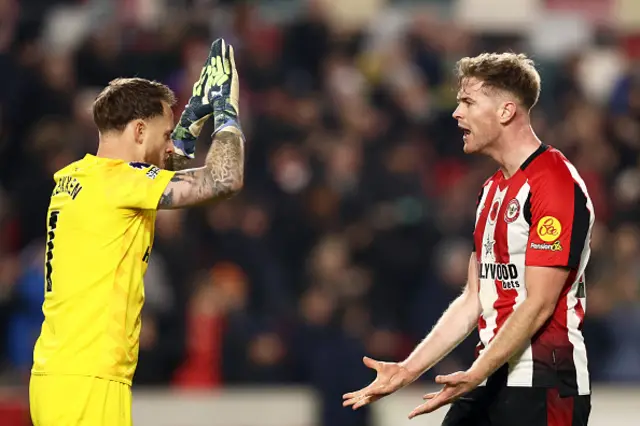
(225, 118)
(231, 126)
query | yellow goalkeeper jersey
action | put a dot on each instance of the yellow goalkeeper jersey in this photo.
(100, 227)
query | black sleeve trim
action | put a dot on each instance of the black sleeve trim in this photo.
(580, 228)
(479, 198)
(526, 210)
(542, 148)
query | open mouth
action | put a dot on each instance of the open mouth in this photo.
(465, 132)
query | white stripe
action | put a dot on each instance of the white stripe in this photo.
(521, 365)
(483, 200)
(488, 293)
(575, 335)
(577, 340)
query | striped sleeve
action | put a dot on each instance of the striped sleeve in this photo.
(559, 218)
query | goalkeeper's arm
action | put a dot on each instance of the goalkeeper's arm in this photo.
(220, 178)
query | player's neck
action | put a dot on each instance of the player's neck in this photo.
(514, 149)
(114, 148)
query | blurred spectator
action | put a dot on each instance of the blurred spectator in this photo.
(353, 233)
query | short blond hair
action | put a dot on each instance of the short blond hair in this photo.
(511, 72)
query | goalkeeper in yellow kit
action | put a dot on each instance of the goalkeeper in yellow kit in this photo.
(100, 234)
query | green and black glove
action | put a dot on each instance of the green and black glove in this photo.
(215, 94)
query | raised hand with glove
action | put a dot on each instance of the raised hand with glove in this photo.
(215, 94)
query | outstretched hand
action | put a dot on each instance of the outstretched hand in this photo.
(455, 385)
(390, 377)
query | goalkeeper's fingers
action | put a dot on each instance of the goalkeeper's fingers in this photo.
(234, 94)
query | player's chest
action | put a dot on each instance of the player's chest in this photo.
(502, 223)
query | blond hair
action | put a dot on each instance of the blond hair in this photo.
(511, 72)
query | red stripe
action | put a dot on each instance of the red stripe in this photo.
(482, 219)
(482, 323)
(579, 308)
(559, 410)
(580, 313)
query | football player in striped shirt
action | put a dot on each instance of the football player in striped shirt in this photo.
(525, 290)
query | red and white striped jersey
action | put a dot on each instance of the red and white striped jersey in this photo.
(541, 216)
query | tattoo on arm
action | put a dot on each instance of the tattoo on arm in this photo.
(220, 178)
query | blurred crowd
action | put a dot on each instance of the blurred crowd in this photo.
(353, 232)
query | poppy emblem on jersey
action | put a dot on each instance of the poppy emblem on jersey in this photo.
(512, 211)
(493, 214)
(549, 229)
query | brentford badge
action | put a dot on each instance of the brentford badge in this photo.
(512, 211)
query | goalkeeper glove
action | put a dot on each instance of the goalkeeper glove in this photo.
(215, 94)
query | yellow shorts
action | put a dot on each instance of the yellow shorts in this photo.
(78, 401)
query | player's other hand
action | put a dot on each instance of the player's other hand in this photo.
(455, 385)
(390, 377)
(215, 94)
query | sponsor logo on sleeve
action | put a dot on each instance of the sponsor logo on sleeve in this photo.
(549, 229)
(556, 246)
(153, 172)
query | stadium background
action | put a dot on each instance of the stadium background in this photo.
(353, 231)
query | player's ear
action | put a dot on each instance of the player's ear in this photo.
(139, 129)
(506, 112)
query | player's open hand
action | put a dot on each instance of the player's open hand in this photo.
(455, 385)
(390, 377)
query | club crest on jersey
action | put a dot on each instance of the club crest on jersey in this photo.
(512, 211)
(493, 213)
(549, 229)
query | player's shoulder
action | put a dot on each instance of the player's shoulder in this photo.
(549, 167)
(70, 169)
(87, 165)
(120, 169)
